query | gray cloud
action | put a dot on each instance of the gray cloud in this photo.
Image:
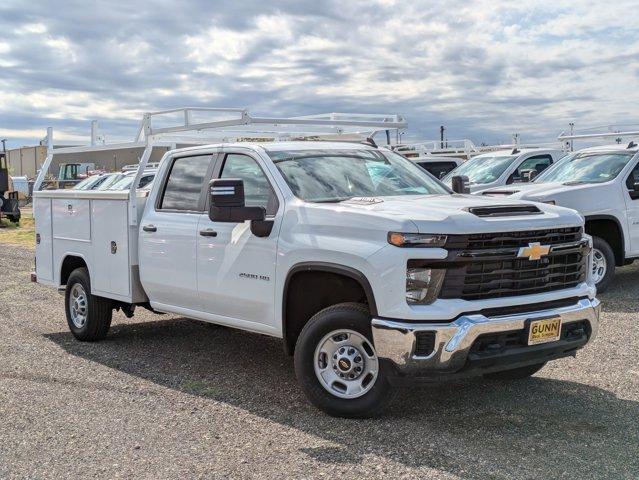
(483, 69)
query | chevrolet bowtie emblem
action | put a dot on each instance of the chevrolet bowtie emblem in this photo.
(534, 251)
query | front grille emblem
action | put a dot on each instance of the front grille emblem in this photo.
(534, 251)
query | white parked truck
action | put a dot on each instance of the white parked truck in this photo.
(504, 167)
(602, 184)
(372, 272)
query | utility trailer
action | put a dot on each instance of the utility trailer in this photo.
(101, 227)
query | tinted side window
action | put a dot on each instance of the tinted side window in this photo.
(632, 180)
(184, 183)
(438, 169)
(257, 189)
(538, 163)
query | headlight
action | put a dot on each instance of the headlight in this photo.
(422, 284)
(416, 239)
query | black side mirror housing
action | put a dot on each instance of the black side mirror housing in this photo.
(461, 184)
(226, 202)
(528, 175)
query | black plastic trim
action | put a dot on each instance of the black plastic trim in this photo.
(326, 267)
(621, 231)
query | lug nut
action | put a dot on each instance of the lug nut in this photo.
(351, 351)
(358, 359)
(341, 350)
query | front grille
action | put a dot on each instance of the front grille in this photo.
(487, 265)
(516, 276)
(478, 241)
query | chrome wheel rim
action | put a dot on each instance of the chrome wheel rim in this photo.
(346, 364)
(78, 305)
(598, 265)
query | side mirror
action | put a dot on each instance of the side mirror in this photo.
(528, 175)
(226, 202)
(460, 184)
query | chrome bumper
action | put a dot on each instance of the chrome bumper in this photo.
(396, 340)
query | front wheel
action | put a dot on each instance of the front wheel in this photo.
(603, 263)
(337, 366)
(88, 316)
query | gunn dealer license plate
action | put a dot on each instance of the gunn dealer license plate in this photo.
(544, 331)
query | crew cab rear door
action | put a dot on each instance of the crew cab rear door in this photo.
(235, 268)
(168, 234)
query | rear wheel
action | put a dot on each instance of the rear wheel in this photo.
(88, 316)
(515, 373)
(337, 365)
(603, 263)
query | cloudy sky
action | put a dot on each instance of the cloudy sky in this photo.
(483, 68)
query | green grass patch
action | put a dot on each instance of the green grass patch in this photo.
(21, 234)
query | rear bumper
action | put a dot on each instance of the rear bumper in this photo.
(452, 349)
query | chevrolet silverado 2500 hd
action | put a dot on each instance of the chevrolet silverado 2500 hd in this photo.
(374, 273)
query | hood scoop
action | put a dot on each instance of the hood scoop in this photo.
(495, 193)
(505, 210)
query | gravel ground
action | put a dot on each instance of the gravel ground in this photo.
(165, 397)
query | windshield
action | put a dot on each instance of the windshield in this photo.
(125, 183)
(483, 168)
(337, 175)
(87, 183)
(586, 168)
(110, 180)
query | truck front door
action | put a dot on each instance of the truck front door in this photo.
(236, 269)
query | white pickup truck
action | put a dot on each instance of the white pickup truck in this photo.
(602, 184)
(372, 272)
(504, 167)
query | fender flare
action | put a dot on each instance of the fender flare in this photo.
(618, 223)
(350, 272)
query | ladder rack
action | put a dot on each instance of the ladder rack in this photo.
(203, 125)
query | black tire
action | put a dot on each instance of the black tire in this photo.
(351, 316)
(99, 310)
(516, 373)
(602, 246)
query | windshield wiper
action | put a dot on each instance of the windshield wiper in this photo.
(576, 182)
(332, 200)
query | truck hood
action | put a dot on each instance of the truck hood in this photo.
(452, 213)
(572, 196)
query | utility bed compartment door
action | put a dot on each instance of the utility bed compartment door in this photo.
(109, 228)
(71, 219)
(44, 247)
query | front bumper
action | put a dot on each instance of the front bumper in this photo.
(396, 341)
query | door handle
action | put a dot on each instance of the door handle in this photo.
(150, 228)
(209, 232)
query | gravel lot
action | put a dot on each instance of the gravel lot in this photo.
(167, 397)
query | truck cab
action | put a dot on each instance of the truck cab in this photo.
(504, 167)
(602, 184)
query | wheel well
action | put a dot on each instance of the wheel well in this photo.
(69, 264)
(608, 229)
(307, 292)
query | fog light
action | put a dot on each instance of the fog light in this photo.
(422, 284)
